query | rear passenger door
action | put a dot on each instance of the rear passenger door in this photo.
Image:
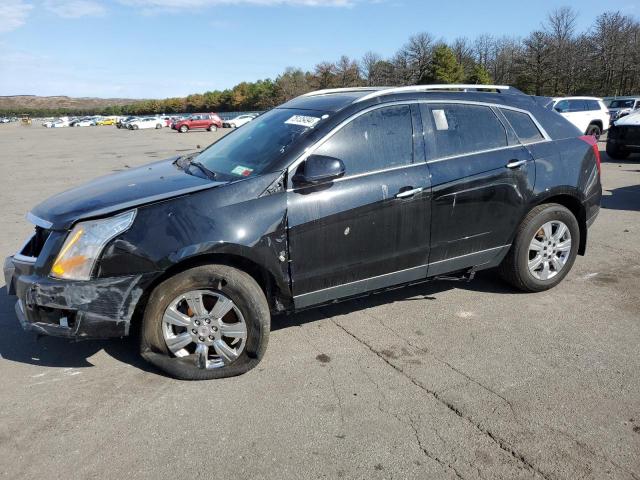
(370, 228)
(482, 178)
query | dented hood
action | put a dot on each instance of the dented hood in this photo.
(120, 191)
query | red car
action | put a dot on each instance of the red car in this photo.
(208, 121)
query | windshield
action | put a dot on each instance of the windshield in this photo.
(253, 148)
(621, 104)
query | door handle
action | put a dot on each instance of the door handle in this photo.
(516, 163)
(409, 193)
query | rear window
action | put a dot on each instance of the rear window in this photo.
(523, 125)
(458, 129)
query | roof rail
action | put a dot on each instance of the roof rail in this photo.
(328, 91)
(453, 86)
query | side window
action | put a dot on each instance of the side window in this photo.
(458, 129)
(525, 129)
(592, 105)
(577, 106)
(376, 140)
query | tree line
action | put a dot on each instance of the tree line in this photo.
(554, 60)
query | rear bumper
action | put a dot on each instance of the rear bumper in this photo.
(98, 308)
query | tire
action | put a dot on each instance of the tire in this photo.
(616, 153)
(135, 127)
(183, 129)
(594, 130)
(158, 126)
(515, 267)
(212, 128)
(215, 281)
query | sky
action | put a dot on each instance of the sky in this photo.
(165, 48)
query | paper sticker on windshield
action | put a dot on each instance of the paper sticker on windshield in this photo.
(441, 120)
(303, 121)
(242, 171)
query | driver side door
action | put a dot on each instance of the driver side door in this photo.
(370, 228)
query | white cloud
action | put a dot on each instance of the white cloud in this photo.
(75, 8)
(13, 15)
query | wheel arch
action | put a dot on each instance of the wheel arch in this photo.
(598, 122)
(277, 299)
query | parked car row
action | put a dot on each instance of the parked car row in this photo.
(87, 121)
(181, 123)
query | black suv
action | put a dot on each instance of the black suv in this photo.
(332, 195)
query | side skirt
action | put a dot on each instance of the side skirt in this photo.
(478, 260)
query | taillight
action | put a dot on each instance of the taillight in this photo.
(591, 140)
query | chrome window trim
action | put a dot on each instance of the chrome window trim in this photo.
(39, 221)
(310, 150)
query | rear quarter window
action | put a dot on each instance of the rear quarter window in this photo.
(523, 125)
(458, 129)
(592, 105)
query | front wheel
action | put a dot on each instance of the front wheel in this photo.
(158, 126)
(544, 249)
(212, 128)
(183, 129)
(207, 322)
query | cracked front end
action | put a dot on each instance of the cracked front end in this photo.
(73, 308)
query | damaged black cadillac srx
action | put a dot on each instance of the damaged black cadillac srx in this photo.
(334, 194)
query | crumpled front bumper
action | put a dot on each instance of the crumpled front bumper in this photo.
(97, 308)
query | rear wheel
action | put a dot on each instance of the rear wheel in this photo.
(183, 129)
(207, 322)
(616, 152)
(158, 126)
(544, 249)
(594, 130)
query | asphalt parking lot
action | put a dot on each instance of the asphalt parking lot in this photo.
(441, 380)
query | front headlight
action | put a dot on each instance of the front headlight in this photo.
(84, 245)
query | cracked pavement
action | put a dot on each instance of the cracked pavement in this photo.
(434, 381)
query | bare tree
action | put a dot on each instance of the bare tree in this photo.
(560, 31)
(416, 55)
(368, 67)
(347, 73)
(535, 63)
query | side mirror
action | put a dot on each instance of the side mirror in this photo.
(317, 169)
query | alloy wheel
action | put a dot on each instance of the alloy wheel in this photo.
(207, 325)
(549, 250)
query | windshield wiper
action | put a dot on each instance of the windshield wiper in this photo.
(210, 174)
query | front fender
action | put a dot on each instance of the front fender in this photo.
(234, 220)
